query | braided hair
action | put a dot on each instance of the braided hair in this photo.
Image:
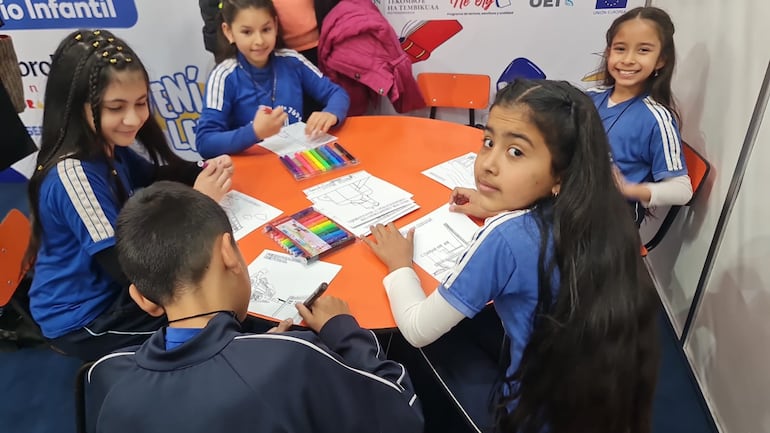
(82, 67)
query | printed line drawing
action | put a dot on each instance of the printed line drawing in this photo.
(264, 292)
(356, 193)
(261, 288)
(445, 255)
(457, 172)
(231, 202)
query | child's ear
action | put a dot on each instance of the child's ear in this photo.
(228, 32)
(661, 63)
(556, 188)
(231, 255)
(145, 304)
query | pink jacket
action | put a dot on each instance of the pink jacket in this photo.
(359, 50)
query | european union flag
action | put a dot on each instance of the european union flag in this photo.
(611, 4)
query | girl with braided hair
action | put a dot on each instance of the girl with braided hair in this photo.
(96, 120)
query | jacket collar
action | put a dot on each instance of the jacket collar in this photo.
(212, 339)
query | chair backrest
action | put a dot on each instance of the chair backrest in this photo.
(470, 91)
(698, 168)
(14, 235)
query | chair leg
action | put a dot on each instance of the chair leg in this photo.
(432, 112)
(472, 116)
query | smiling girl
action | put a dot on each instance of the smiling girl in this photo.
(96, 114)
(638, 113)
(261, 86)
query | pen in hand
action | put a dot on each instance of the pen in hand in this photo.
(315, 295)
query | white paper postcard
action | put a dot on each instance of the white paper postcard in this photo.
(439, 239)
(292, 139)
(278, 281)
(246, 213)
(457, 172)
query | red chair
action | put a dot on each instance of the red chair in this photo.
(14, 237)
(698, 169)
(15, 231)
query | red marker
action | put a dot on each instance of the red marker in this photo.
(460, 200)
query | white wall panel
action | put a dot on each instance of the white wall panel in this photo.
(722, 52)
(729, 344)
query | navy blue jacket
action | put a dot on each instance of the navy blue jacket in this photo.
(223, 380)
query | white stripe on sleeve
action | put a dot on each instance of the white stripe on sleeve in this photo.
(215, 95)
(81, 194)
(668, 136)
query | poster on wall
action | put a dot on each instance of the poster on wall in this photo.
(504, 39)
(171, 49)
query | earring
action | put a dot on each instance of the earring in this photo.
(656, 72)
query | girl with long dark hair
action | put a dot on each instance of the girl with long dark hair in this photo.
(559, 259)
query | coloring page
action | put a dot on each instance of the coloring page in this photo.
(358, 200)
(246, 213)
(278, 281)
(440, 238)
(457, 172)
(292, 139)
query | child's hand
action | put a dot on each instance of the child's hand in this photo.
(392, 248)
(223, 161)
(282, 326)
(216, 178)
(268, 121)
(324, 308)
(466, 201)
(318, 122)
(630, 190)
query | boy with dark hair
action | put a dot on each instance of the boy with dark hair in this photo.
(201, 373)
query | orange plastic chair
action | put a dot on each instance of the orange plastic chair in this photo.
(698, 168)
(469, 91)
(14, 235)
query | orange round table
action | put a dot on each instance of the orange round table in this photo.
(394, 148)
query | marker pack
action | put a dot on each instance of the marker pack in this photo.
(308, 234)
(318, 160)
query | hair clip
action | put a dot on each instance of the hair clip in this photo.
(40, 167)
(97, 32)
(105, 53)
(219, 5)
(113, 60)
(119, 48)
(96, 44)
(110, 39)
(128, 60)
(78, 37)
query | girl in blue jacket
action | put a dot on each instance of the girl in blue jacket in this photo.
(259, 89)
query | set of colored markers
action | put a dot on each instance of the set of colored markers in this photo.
(308, 233)
(318, 160)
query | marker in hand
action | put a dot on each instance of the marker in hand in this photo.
(460, 200)
(315, 295)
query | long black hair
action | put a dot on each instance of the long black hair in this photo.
(228, 11)
(590, 365)
(658, 85)
(82, 67)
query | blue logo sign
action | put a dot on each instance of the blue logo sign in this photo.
(54, 14)
(611, 4)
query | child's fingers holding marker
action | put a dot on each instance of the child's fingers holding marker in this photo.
(325, 308)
